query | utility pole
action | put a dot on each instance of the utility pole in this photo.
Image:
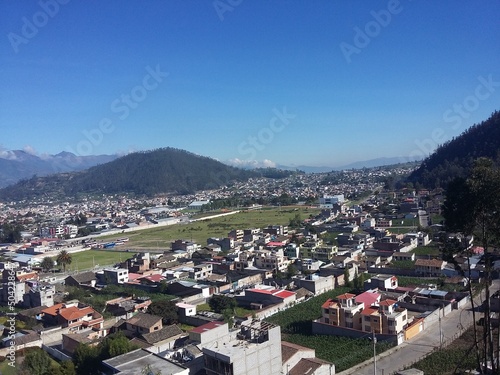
(440, 332)
(374, 339)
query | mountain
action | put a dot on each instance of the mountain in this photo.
(372, 163)
(378, 162)
(455, 158)
(165, 170)
(16, 165)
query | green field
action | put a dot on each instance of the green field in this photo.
(160, 238)
(84, 260)
(432, 250)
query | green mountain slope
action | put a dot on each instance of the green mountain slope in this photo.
(454, 158)
(165, 170)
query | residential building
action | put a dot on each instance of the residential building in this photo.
(344, 312)
(387, 318)
(115, 275)
(381, 282)
(429, 267)
(255, 350)
(88, 279)
(135, 361)
(74, 315)
(201, 271)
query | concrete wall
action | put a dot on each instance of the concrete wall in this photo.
(317, 286)
(56, 353)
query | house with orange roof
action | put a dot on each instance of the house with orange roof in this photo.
(366, 313)
(74, 315)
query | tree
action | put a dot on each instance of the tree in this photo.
(220, 303)
(296, 221)
(47, 264)
(114, 345)
(347, 281)
(64, 258)
(36, 362)
(166, 309)
(471, 207)
(10, 233)
(86, 359)
(291, 271)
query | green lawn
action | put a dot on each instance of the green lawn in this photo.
(160, 238)
(5, 369)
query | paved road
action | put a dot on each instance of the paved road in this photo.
(422, 344)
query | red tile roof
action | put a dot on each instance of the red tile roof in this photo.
(368, 298)
(369, 311)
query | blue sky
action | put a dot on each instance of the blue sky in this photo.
(320, 83)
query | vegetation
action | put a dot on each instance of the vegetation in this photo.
(88, 358)
(97, 298)
(64, 258)
(471, 208)
(432, 250)
(453, 359)
(166, 309)
(296, 327)
(220, 303)
(10, 233)
(47, 264)
(199, 231)
(143, 173)
(37, 362)
(87, 259)
(456, 158)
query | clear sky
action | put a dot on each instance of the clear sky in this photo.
(321, 83)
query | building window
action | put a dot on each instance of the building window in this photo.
(327, 321)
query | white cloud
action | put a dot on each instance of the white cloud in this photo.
(7, 154)
(266, 163)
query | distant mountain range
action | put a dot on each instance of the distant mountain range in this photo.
(165, 170)
(456, 157)
(372, 163)
(16, 165)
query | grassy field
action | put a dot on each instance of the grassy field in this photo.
(432, 250)
(84, 260)
(160, 238)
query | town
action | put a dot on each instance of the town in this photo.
(367, 257)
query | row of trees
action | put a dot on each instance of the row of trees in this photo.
(63, 258)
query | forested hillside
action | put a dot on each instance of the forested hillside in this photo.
(165, 170)
(455, 158)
